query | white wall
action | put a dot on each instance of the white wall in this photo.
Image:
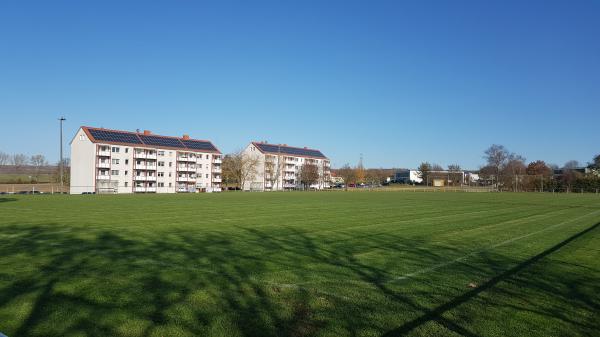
(83, 154)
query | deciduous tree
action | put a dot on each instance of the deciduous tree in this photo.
(309, 174)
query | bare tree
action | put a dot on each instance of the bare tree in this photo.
(309, 174)
(241, 167)
(4, 158)
(228, 171)
(273, 168)
(38, 161)
(455, 174)
(19, 160)
(569, 174)
(496, 157)
(348, 174)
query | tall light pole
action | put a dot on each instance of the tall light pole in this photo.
(61, 163)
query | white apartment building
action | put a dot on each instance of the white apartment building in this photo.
(112, 161)
(279, 166)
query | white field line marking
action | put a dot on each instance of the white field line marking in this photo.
(499, 244)
(447, 263)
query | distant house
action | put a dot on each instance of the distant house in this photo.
(436, 178)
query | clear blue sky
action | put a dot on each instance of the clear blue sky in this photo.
(400, 82)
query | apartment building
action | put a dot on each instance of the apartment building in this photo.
(113, 161)
(278, 167)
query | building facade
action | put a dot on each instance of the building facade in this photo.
(112, 161)
(279, 167)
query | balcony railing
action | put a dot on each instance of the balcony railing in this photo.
(140, 178)
(289, 185)
(150, 189)
(103, 177)
(187, 168)
(104, 165)
(216, 180)
(104, 153)
(139, 189)
(217, 160)
(186, 158)
(216, 169)
(150, 178)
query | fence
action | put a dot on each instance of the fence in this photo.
(49, 188)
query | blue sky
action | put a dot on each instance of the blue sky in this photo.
(399, 81)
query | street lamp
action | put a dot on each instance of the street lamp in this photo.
(61, 163)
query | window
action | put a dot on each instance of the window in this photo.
(170, 184)
(161, 153)
(81, 137)
(115, 149)
(170, 164)
(161, 163)
(126, 150)
(139, 162)
(114, 172)
(169, 174)
(206, 175)
(161, 174)
(126, 161)
(161, 184)
(199, 165)
(126, 183)
(126, 172)
(115, 161)
(206, 156)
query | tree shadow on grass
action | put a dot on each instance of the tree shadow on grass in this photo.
(5, 199)
(214, 284)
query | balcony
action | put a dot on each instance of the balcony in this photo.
(289, 160)
(103, 177)
(289, 185)
(104, 164)
(187, 158)
(140, 189)
(216, 169)
(150, 189)
(216, 180)
(141, 155)
(217, 160)
(140, 166)
(151, 156)
(104, 153)
(140, 178)
(185, 179)
(150, 178)
(186, 168)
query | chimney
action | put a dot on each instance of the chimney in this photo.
(186, 136)
(147, 132)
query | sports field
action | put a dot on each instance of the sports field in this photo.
(300, 264)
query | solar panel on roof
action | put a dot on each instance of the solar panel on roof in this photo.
(290, 150)
(161, 141)
(112, 136)
(198, 145)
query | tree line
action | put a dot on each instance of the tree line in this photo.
(35, 166)
(510, 171)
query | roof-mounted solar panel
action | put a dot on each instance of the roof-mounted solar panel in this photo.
(198, 145)
(161, 141)
(289, 150)
(112, 136)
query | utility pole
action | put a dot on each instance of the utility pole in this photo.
(61, 163)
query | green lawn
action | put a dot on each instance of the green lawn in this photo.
(300, 264)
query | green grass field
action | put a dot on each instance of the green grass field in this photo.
(300, 264)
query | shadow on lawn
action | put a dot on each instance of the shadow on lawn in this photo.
(209, 284)
(5, 199)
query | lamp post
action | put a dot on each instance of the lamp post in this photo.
(61, 163)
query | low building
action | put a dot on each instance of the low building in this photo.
(279, 166)
(405, 176)
(113, 161)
